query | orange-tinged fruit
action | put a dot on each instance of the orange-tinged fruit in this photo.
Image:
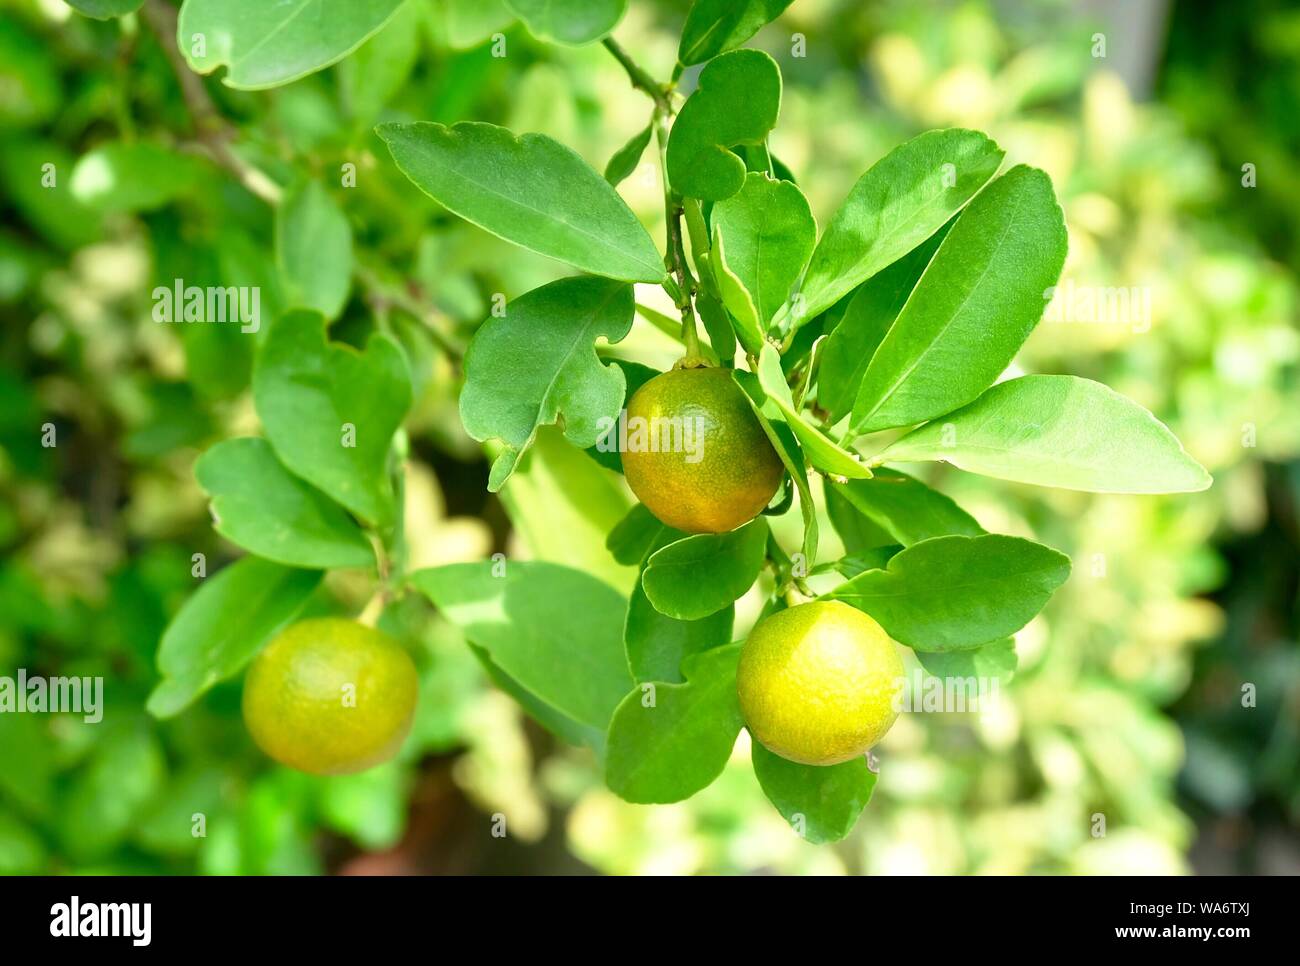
(330, 696)
(696, 455)
(817, 682)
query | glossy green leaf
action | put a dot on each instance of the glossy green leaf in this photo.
(657, 644)
(769, 232)
(905, 508)
(867, 317)
(313, 247)
(625, 160)
(901, 201)
(538, 363)
(264, 508)
(736, 298)
(714, 26)
(267, 44)
(638, 534)
(1060, 431)
(219, 629)
(980, 297)
(571, 22)
(788, 449)
(821, 803)
(702, 574)
(995, 661)
(670, 742)
(529, 190)
(952, 593)
(330, 412)
(557, 632)
(823, 452)
(138, 176)
(737, 102)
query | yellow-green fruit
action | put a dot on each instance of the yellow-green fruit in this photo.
(330, 696)
(695, 453)
(817, 682)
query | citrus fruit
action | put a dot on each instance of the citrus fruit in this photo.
(695, 453)
(330, 696)
(817, 682)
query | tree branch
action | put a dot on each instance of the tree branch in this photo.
(642, 81)
(214, 133)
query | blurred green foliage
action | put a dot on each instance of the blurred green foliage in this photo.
(98, 532)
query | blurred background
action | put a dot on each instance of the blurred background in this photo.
(1170, 131)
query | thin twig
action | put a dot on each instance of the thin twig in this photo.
(214, 133)
(642, 81)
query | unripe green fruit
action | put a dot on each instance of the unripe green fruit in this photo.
(730, 471)
(817, 682)
(330, 696)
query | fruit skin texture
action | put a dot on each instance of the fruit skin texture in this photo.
(298, 711)
(737, 471)
(817, 682)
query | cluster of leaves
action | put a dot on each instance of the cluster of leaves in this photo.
(898, 319)
(902, 315)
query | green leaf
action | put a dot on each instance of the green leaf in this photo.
(268, 44)
(529, 190)
(858, 533)
(135, 177)
(313, 246)
(718, 327)
(330, 411)
(557, 632)
(570, 22)
(822, 451)
(219, 629)
(736, 102)
(901, 201)
(905, 508)
(637, 534)
(736, 298)
(788, 449)
(770, 232)
(554, 721)
(461, 24)
(713, 26)
(635, 375)
(538, 363)
(261, 506)
(702, 574)
(626, 158)
(656, 644)
(821, 803)
(990, 661)
(380, 67)
(867, 317)
(980, 297)
(876, 558)
(677, 746)
(953, 593)
(1058, 431)
(105, 9)
(562, 506)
